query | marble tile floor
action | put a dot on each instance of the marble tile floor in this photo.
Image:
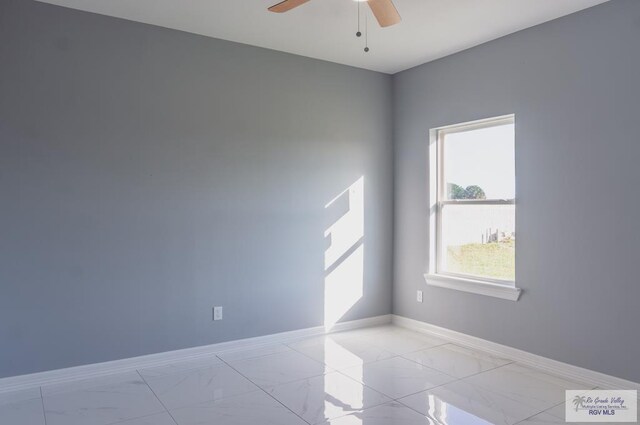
(374, 376)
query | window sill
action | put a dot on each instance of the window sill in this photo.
(474, 286)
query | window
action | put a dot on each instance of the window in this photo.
(473, 207)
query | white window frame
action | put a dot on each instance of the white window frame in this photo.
(504, 289)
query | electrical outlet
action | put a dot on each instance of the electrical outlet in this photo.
(217, 313)
(419, 296)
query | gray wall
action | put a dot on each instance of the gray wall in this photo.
(574, 85)
(147, 175)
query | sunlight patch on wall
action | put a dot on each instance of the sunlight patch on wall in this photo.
(344, 258)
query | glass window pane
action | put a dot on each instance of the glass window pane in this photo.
(480, 164)
(478, 240)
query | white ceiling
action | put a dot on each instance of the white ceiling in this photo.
(325, 29)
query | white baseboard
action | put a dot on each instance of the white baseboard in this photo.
(58, 376)
(552, 366)
(33, 380)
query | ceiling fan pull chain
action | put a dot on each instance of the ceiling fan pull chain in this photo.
(358, 34)
(366, 34)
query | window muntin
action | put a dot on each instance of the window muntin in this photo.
(475, 230)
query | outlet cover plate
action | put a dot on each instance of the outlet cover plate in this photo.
(217, 313)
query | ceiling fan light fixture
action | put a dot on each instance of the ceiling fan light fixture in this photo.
(384, 10)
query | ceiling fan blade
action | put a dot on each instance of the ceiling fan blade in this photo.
(286, 5)
(385, 12)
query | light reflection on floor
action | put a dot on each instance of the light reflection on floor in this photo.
(283, 383)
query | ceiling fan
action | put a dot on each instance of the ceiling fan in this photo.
(384, 10)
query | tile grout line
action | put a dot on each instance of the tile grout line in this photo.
(546, 411)
(217, 355)
(159, 363)
(509, 362)
(424, 391)
(340, 371)
(485, 389)
(136, 418)
(265, 391)
(402, 356)
(541, 412)
(331, 369)
(456, 379)
(44, 412)
(391, 399)
(128, 419)
(530, 417)
(451, 382)
(156, 396)
(483, 371)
